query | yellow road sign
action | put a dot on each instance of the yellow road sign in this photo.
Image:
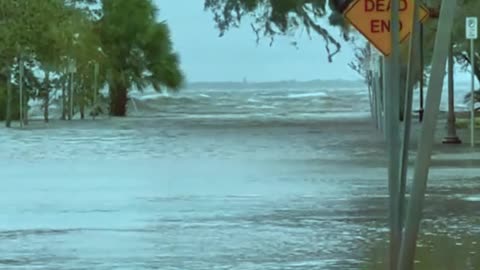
(372, 19)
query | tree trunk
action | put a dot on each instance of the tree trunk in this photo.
(71, 97)
(118, 100)
(24, 95)
(82, 112)
(25, 108)
(8, 116)
(64, 97)
(82, 105)
(46, 100)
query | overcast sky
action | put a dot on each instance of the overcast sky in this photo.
(207, 57)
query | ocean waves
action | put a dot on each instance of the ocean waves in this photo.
(264, 104)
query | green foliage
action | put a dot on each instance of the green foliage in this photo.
(121, 36)
(281, 17)
(476, 96)
(464, 123)
(139, 45)
(465, 8)
(3, 104)
(138, 49)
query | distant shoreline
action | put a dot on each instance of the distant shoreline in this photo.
(275, 84)
(334, 83)
(279, 81)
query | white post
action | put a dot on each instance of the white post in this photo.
(471, 32)
(96, 69)
(20, 83)
(472, 98)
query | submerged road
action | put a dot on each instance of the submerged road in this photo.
(155, 193)
(251, 180)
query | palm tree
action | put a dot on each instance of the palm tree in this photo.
(138, 50)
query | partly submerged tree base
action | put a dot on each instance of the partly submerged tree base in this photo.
(118, 101)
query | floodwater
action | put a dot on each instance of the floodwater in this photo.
(213, 180)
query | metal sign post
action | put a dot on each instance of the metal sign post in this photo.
(471, 33)
(412, 69)
(96, 70)
(393, 133)
(20, 83)
(386, 27)
(432, 108)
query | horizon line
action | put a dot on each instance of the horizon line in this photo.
(276, 81)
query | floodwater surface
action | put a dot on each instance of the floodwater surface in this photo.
(202, 187)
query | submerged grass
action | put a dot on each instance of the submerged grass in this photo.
(434, 252)
(462, 123)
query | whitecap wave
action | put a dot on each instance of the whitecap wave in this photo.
(473, 198)
(152, 96)
(307, 95)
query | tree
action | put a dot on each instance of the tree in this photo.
(283, 17)
(22, 25)
(138, 49)
(34, 37)
(121, 36)
(57, 45)
(476, 97)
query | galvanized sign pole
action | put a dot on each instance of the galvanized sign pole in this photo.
(422, 164)
(392, 126)
(384, 27)
(412, 69)
(471, 33)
